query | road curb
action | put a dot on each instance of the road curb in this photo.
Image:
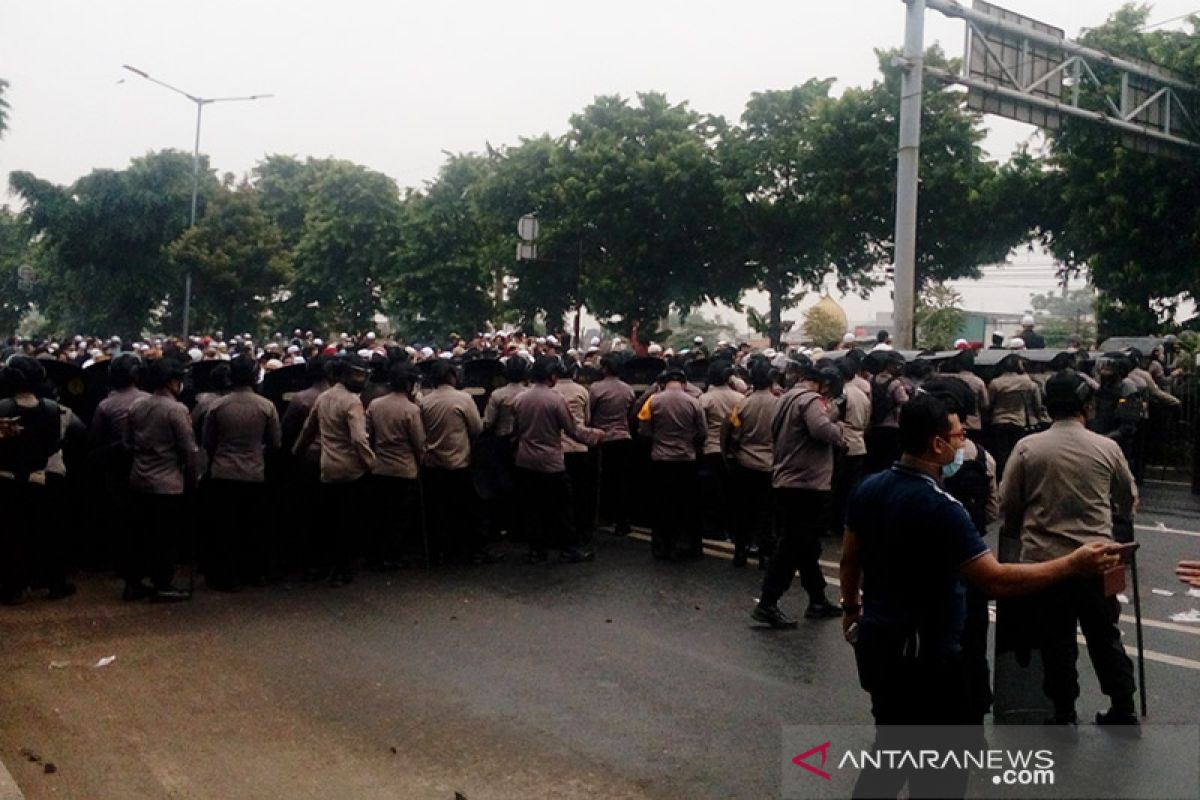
(8, 787)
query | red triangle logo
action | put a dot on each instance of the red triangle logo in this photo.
(802, 760)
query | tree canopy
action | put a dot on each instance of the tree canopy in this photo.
(238, 261)
(1131, 218)
(105, 240)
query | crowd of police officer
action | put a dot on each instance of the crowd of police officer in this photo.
(383, 458)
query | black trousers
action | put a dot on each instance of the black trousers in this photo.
(848, 471)
(1060, 608)
(913, 699)
(160, 522)
(910, 690)
(396, 519)
(716, 489)
(755, 522)
(549, 515)
(23, 504)
(239, 551)
(581, 469)
(451, 513)
(676, 525)
(615, 486)
(340, 537)
(975, 654)
(306, 519)
(800, 518)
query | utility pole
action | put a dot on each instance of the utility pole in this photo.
(200, 102)
(907, 166)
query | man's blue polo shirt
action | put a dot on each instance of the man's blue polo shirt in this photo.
(913, 538)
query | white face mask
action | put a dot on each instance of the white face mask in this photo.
(951, 469)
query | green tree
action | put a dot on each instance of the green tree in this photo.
(971, 211)
(344, 242)
(105, 239)
(641, 194)
(762, 323)
(1059, 317)
(1131, 218)
(939, 317)
(524, 180)
(285, 185)
(15, 253)
(238, 261)
(444, 274)
(685, 329)
(769, 176)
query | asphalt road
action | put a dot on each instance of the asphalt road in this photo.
(621, 678)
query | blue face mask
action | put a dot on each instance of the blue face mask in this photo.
(949, 470)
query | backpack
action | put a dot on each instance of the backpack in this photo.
(971, 486)
(882, 403)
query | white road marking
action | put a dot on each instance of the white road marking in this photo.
(1164, 529)
(724, 550)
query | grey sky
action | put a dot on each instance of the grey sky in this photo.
(393, 84)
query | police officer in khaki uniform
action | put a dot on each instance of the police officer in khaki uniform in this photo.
(801, 481)
(719, 402)
(542, 418)
(1063, 489)
(159, 435)
(1016, 407)
(346, 459)
(238, 428)
(611, 400)
(751, 443)
(451, 421)
(674, 422)
(580, 460)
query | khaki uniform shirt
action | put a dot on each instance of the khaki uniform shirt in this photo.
(339, 418)
(451, 421)
(111, 418)
(579, 404)
(1154, 392)
(498, 414)
(397, 435)
(750, 436)
(611, 400)
(1016, 400)
(719, 404)
(675, 424)
(856, 420)
(237, 427)
(295, 415)
(159, 434)
(805, 435)
(1062, 488)
(542, 419)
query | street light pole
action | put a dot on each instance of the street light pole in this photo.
(200, 102)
